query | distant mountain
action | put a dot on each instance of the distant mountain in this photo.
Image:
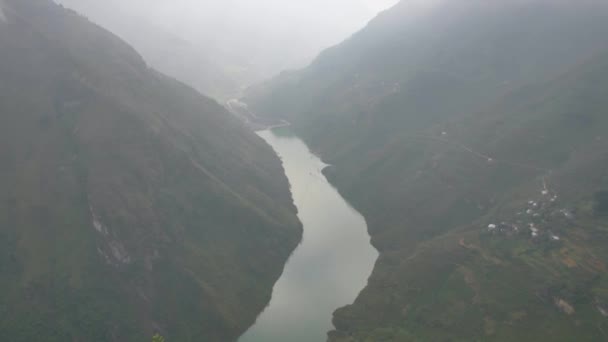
(472, 136)
(221, 47)
(166, 52)
(130, 203)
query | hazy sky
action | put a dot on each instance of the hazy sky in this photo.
(254, 38)
(311, 24)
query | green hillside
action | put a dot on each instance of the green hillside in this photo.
(129, 203)
(472, 136)
(445, 272)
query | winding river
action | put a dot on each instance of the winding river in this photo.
(329, 268)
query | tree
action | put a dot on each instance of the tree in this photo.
(158, 338)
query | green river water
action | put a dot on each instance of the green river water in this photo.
(329, 268)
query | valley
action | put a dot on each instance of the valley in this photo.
(440, 175)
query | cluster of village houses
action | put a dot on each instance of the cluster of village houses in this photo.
(539, 219)
(542, 220)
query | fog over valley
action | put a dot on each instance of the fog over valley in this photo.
(222, 46)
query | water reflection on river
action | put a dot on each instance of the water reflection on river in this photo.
(332, 264)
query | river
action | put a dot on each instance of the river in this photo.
(333, 262)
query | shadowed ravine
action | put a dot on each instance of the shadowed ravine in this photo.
(332, 264)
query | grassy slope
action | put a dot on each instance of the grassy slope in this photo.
(130, 202)
(375, 108)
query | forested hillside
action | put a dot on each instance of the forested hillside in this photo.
(471, 135)
(130, 204)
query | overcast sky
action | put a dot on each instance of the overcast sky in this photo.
(266, 36)
(313, 23)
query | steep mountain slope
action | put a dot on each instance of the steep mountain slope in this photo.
(130, 203)
(163, 50)
(491, 225)
(472, 137)
(389, 76)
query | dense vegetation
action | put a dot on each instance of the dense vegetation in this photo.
(472, 136)
(601, 203)
(129, 204)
